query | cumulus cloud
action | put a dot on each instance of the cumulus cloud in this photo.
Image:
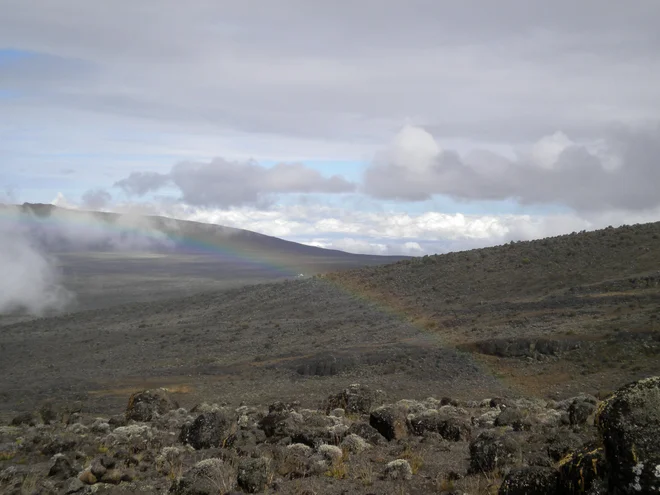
(396, 233)
(619, 171)
(223, 183)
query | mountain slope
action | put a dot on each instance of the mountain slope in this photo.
(106, 259)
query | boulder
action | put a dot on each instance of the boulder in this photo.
(578, 471)
(210, 429)
(254, 474)
(390, 421)
(453, 428)
(514, 418)
(207, 477)
(143, 406)
(366, 431)
(629, 422)
(532, 480)
(355, 399)
(492, 450)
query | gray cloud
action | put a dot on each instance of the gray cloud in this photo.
(96, 198)
(222, 183)
(620, 172)
(350, 71)
(140, 183)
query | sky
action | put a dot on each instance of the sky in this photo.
(371, 126)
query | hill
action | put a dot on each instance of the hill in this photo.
(549, 318)
(105, 259)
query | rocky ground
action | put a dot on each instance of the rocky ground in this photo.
(355, 442)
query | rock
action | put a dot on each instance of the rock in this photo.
(561, 444)
(61, 468)
(578, 471)
(450, 428)
(87, 477)
(253, 474)
(390, 421)
(487, 419)
(24, 419)
(492, 450)
(579, 412)
(338, 412)
(74, 486)
(512, 417)
(355, 444)
(207, 477)
(366, 431)
(280, 421)
(97, 468)
(629, 422)
(210, 429)
(143, 406)
(398, 470)
(112, 476)
(355, 399)
(531, 481)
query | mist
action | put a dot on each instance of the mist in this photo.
(32, 281)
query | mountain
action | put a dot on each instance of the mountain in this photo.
(105, 259)
(550, 318)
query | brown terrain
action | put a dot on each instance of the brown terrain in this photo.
(529, 326)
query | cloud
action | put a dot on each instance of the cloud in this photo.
(96, 199)
(223, 183)
(616, 172)
(396, 233)
(501, 72)
(30, 278)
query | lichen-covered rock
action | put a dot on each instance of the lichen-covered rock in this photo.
(532, 480)
(629, 422)
(210, 429)
(366, 431)
(143, 406)
(355, 399)
(390, 421)
(280, 421)
(451, 427)
(398, 469)
(579, 470)
(512, 417)
(491, 450)
(207, 477)
(253, 474)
